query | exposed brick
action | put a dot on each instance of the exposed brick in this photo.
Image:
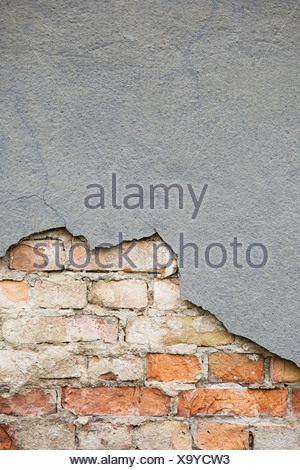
(18, 367)
(230, 367)
(168, 367)
(245, 402)
(120, 294)
(296, 403)
(51, 337)
(164, 435)
(203, 331)
(29, 402)
(284, 371)
(276, 436)
(49, 329)
(166, 294)
(13, 293)
(59, 292)
(47, 433)
(25, 257)
(116, 401)
(56, 362)
(141, 255)
(105, 436)
(114, 368)
(222, 436)
(7, 437)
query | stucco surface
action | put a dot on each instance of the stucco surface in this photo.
(187, 92)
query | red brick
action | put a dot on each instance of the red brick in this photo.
(226, 367)
(115, 401)
(222, 436)
(284, 371)
(168, 367)
(29, 402)
(296, 403)
(7, 437)
(239, 402)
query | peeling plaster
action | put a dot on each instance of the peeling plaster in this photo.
(161, 92)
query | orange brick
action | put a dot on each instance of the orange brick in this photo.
(13, 293)
(115, 401)
(296, 403)
(245, 402)
(7, 439)
(222, 436)
(37, 255)
(284, 371)
(226, 367)
(168, 367)
(29, 402)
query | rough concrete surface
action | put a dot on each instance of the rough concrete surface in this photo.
(187, 92)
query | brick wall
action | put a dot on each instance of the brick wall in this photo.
(112, 358)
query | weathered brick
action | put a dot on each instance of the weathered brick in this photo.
(61, 329)
(276, 436)
(56, 362)
(296, 403)
(120, 294)
(13, 294)
(284, 371)
(141, 254)
(29, 402)
(105, 436)
(203, 331)
(164, 435)
(37, 255)
(166, 295)
(230, 367)
(18, 367)
(168, 367)
(59, 292)
(7, 437)
(116, 401)
(114, 368)
(243, 402)
(46, 433)
(222, 436)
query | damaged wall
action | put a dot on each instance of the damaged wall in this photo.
(100, 358)
(191, 92)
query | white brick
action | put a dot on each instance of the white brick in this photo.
(58, 330)
(59, 292)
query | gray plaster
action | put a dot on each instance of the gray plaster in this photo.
(189, 91)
